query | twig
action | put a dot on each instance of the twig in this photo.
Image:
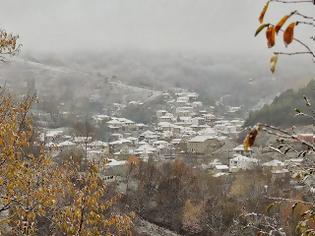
(304, 16)
(302, 1)
(309, 145)
(291, 53)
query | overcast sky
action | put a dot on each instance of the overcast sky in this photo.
(201, 25)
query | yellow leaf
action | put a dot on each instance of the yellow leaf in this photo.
(273, 63)
(263, 12)
(281, 23)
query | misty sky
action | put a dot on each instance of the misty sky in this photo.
(201, 25)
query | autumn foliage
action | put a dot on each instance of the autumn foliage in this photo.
(272, 30)
(38, 194)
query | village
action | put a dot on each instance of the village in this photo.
(184, 129)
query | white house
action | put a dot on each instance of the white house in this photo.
(240, 162)
(184, 111)
(160, 113)
(273, 165)
(145, 151)
(168, 117)
(203, 144)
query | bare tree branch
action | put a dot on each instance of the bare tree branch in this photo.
(284, 1)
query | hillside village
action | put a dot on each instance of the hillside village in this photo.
(183, 128)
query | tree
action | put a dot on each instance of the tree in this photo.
(8, 45)
(41, 197)
(192, 217)
(272, 30)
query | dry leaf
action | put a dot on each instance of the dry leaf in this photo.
(260, 28)
(271, 36)
(281, 23)
(288, 34)
(273, 62)
(263, 12)
(250, 139)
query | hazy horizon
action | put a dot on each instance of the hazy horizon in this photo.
(161, 25)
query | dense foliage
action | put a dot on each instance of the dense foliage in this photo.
(41, 197)
(281, 111)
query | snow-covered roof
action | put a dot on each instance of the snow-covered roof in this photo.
(220, 174)
(113, 122)
(97, 143)
(208, 131)
(176, 141)
(113, 162)
(147, 133)
(81, 139)
(120, 141)
(132, 138)
(66, 144)
(53, 133)
(100, 117)
(274, 163)
(141, 125)
(241, 148)
(50, 144)
(167, 116)
(145, 148)
(165, 124)
(201, 138)
(243, 158)
(221, 167)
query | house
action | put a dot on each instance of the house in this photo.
(196, 105)
(182, 100)
(114, 125)
(273, 166)
(192, 96)
(116, 168)
(197, 121)
(208, 131)
(126, 123)
(160, 113)
(168, 117)
(149, 136)
(145, 151)
(100, 119)
(203, 144)
(220, 168)
(120, 145)
(164, 149)
(185, 111)
(66, 144)
(100, 146)
(240, 162)
(165, 126)
(80, 140)
(209, 118)
(52, 135)
(279, 174)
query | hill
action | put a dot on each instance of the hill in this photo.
(281, 111)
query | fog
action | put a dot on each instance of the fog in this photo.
(191, 25)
